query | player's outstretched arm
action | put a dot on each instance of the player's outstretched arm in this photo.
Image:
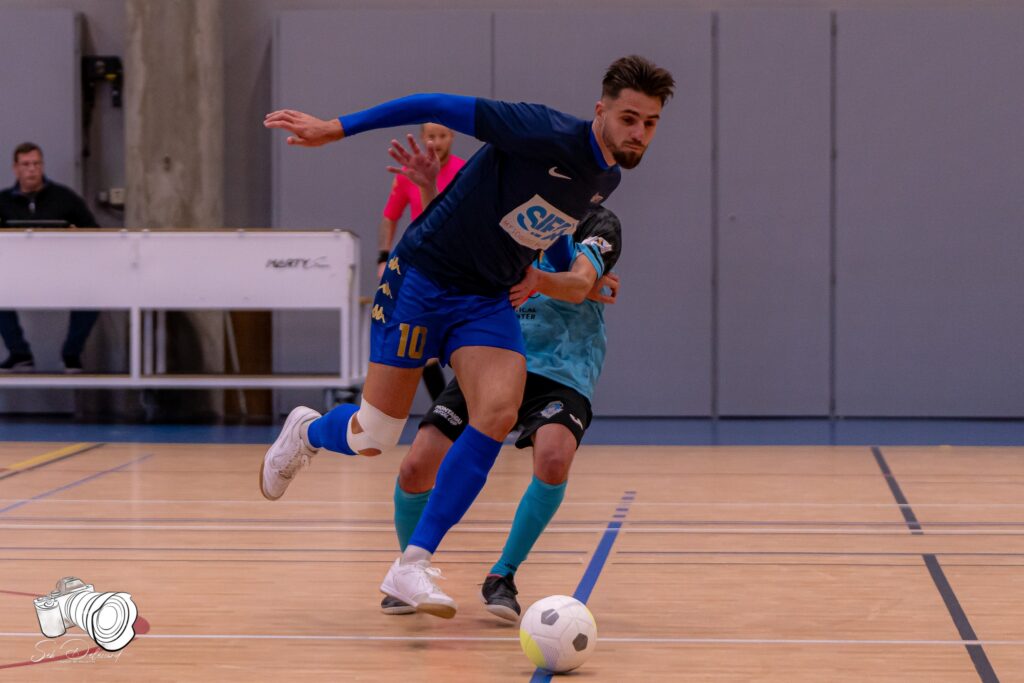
(306, 130)
(457, 112)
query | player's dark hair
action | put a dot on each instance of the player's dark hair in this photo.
(636, 73)
(25, 148)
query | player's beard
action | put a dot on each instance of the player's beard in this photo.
(625, 157)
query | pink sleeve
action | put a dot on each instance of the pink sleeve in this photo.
(397, 201)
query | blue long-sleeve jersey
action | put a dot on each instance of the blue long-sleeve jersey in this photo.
(539, 174)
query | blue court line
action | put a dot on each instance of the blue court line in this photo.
(83, 480)
(597, 562)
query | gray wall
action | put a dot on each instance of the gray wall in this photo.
(826, 222)
(926, 232)
(663, 311)
(42, 104)
(930, 213)
(773, 229)
(50, 117)
(102, 33)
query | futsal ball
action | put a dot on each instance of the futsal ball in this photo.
(558, 633)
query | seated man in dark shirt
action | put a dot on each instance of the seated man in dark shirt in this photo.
(34, 197)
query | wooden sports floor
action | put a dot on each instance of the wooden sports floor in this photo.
(701, 563)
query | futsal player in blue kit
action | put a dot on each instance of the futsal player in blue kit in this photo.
(563, 328)
(445, 291)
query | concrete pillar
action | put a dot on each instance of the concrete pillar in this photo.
(174, 148)
(174, 111)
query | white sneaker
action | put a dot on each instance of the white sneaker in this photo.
(287, 454)
(413, 584)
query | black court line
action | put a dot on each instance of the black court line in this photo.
(897, 492)
(963, 626)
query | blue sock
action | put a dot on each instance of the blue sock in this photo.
(330, 431)
(461, 477)
(408, 509)
(536, 508)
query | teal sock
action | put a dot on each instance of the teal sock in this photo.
(408, 508)
(537, 507)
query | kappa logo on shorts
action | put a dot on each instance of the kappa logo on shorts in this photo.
(386, 288)
(552, 409)
(377, 313)
(536, 223)
(448, 414)
(576, 420)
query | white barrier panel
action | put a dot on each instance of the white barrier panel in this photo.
(176, 270)
(144, 270)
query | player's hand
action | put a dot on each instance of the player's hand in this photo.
(419, 166)
(611, 281)
(518, 295)
(306, 130)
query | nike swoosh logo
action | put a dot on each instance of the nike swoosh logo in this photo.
(576, 420)
(553, 172)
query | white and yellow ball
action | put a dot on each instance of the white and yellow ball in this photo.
(558, 633)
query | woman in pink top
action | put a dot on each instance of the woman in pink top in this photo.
(405, 192)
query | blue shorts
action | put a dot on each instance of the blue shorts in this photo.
(414, 320)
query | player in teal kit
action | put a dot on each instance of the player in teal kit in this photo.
(445, 291)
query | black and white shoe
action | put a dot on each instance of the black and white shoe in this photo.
(18, 362)
(390, 605)
(72, 365)
(499, 595)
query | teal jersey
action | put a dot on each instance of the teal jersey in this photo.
(566, 342)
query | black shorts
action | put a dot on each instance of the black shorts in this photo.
(545, 401)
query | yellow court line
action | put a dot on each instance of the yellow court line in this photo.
(48, 456)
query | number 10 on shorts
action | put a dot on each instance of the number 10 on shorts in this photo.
(415, 345)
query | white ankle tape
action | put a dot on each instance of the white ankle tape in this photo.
(380, 431)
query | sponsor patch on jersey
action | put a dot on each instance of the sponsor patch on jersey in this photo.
(552, 409)
(536, 223)
(601, 243)
(448, 414)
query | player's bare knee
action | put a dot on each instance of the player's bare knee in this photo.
(416, 474)
(496, 421)
(551, 466)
